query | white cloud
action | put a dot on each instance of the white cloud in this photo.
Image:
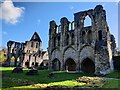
(10, 13)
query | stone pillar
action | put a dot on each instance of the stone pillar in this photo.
(97, 64)
(15, 63)
(78, 62)
(63, 61)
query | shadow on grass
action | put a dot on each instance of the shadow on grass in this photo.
(10, 79)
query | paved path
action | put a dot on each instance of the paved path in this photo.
(110, 78)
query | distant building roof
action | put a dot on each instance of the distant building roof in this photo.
(36, 37)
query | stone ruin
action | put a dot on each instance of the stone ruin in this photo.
(76, 47)
(30, 53)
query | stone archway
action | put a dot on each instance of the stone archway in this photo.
(70, 65)
(56, 64)
(88, 66)
(27, 64)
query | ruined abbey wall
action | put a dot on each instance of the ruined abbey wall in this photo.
(75, 47)
(28, 54)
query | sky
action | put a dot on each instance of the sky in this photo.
(21, 19)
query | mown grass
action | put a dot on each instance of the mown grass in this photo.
(114, 74)
(115, 84)
(43, 75)
(42, 80)
(70, 83)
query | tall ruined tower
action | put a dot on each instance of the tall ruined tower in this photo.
(26, 54)
(33, 51)
(76, 47)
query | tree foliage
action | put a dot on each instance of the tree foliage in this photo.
(3, 56)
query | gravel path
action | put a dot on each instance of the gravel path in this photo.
(110, 78)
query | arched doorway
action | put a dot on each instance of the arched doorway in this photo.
(36, 64)
(70, 65)
(56, 64)
(27, 64)
(88, 66)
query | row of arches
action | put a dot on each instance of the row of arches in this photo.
(35, 64)
(15, 59)
(87, 65)
(87, 36)
(71, 26)
(69, 38)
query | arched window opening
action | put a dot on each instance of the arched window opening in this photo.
(100, 35)
(36, 64)
(42, 64)
(29, 57)
(83, 37)
(12, 59)
(57, 29)
(87, 21)
(67, 39)
(32, 63)
(89, 38)
(54, 42)
(27, 64)
(36, 45)
(70, 26)
(58, 40)
(31, 44)
(13, 50)
(72, 38)
(73, 27)
(18, 59)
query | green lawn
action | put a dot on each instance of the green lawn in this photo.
(13, 80)
(114, 75)
(112, 84)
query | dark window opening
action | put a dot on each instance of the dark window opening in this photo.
(12, 50)
(89, 38)
(54, 42)
(36, 64)
(32, 63)
(83, 37)
(72, 38)
(27, 64)
(36, 45)
(100, 35)
(59, 40)
(42, 64)
(67, 39)
(31, 44)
